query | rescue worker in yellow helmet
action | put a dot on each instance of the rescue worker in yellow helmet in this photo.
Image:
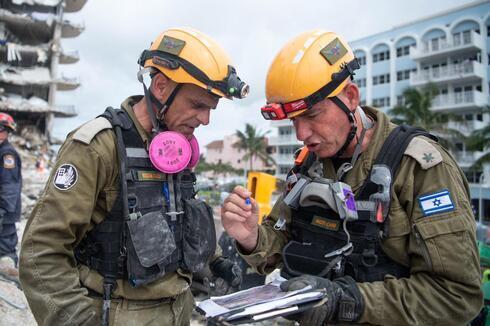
(118, 232)
(379, 215)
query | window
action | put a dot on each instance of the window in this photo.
(459, 147)
(284, 170)
(403, 51)
(468, 117)
(381, 79)
(400, 100)
(488, 30)
(381, 102)
(479, 117)
(362, 61)
(363, 102)
(381, 56)
(403, 74)
(360, 82)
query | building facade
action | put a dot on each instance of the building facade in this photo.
(450, 50)
(223, 151)
(30, 54)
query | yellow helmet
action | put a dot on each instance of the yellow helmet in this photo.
(186, 55)
(311, 67)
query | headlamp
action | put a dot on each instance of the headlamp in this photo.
(280, 111)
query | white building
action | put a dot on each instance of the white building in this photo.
(450, 49)
(30, 54)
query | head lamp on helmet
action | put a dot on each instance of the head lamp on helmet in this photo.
(313, 66)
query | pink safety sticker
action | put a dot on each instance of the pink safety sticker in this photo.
(170, 152)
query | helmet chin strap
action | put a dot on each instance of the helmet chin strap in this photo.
(366, 125)
(156, 118)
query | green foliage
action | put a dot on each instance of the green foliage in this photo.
(253, 143)
(479, 140)
(417, 112)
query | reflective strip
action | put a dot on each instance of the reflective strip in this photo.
(136, 152)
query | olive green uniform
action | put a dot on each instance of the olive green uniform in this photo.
(54, 284)
(440, 249)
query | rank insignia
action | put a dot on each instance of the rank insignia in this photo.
(334, 51)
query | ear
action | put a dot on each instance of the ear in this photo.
(159, 84)
(351, 94)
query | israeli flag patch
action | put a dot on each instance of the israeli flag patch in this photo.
(435, 203)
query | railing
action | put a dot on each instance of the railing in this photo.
(66, 109)
(445, 72)
(283, 140)
(456, 41)
(459, 98)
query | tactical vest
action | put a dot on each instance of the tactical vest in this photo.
(317, 232)
(150, 230)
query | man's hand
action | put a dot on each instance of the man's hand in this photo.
(227, 270)
(239, 216)
(344, 300)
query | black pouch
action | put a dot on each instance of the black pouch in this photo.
(150, 243)
(199, 238)
(303, 258)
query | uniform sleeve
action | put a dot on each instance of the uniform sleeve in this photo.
(444, 283)
(58, 222)
(10, 182)
(267, 254)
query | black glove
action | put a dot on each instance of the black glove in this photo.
(344, 300)
(228, 270)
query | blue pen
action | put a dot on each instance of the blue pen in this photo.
(166, 193)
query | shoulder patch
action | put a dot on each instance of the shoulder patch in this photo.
(8, 161)
(87, 132)
(65, 177)
(437, 202)
(424, 152)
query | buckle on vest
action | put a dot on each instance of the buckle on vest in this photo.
(369, 258)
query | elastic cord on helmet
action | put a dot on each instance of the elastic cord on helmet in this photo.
(353, 124)
(162, 107)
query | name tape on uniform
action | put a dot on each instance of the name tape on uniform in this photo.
(435, 203)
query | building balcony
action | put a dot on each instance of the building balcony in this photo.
(467, 159)
(66, 83)
(472, 71)
(466, 127)
(74, 5)
(69, 57)
(284, 140)
(281, 123)
(70, 30)
(456, 45)
(461, 101)
(64, 111)
(284, 159)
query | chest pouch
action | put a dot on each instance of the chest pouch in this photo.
(150, 243)
(199, 235)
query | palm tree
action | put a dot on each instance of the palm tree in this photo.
(253, 143)
(479, 140)
(416, 112)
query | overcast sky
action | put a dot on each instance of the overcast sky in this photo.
(251, 31)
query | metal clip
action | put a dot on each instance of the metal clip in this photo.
(280, 224)
(345, 250)
(173, 215)
(134, 216)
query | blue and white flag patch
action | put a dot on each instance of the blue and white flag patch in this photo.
(435, 203)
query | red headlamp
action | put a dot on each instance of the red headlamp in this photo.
(279, 111)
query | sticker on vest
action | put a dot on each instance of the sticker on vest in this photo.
(326, 223)
(8, 161)
(66, 177)
(438, 202)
